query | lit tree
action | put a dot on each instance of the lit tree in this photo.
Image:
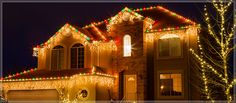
(215, 51)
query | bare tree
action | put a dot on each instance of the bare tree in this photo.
(215, 50)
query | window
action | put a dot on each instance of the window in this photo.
(169, 46)
(170, 84)
(127, 45)
(77, 56)
(57, 57)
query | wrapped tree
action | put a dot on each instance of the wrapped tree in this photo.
(215, 51)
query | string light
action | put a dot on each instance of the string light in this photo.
(21, 73)
(111, 19)
(8, 78)
(65, 28)
(98, 45)
(223, 40)
(59, 85)
(118, 18)
(168, 29)
(166, 11)
(99, 33)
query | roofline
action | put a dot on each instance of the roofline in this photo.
(137, 9)
(170, 28)
(66, 25)
(166, 10)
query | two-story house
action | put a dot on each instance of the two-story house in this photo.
(139, 54)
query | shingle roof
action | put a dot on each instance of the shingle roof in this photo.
(163, 17)
(94, 31)
(61, 73)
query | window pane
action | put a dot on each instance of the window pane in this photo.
(73, 57)
(175, 49)
(170, 84)
(61, 59)
(77, 56)
(54, 60)
(169, 45)
(57, 58)
(81, 58)
(163, 47)
(127, 46)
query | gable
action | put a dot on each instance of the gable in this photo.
(125, 15)
(65, 31)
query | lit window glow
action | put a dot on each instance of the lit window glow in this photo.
(171, 84)
(127, 45)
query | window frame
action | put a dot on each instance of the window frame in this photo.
(157, 46)
(130, 44)
(77, 48)
(63, 61)
(159, 84)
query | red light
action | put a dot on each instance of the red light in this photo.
(117, 40)
(106, 21)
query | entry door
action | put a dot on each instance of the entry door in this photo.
(130, 87)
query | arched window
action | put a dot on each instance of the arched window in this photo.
(169, 46)
(57, 57)
(127, 45)
(77, 56)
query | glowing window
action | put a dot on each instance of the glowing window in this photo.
(127, 45)
(57, 57)
(170, 84)
(77, 56)
(169, 46)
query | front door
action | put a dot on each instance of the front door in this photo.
(130, 87)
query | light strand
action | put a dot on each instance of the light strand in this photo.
(21, 73)
(56, 77)
(166, 11)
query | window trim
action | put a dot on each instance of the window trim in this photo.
(156, 45)
(70, 64)
(159, 96)
(124, 42)
(64, 57)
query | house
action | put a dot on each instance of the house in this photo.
(138, 54)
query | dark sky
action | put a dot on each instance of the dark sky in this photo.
(27, 24)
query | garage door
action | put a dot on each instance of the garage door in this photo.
(34, 96)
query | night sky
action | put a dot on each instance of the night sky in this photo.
(26, 25)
